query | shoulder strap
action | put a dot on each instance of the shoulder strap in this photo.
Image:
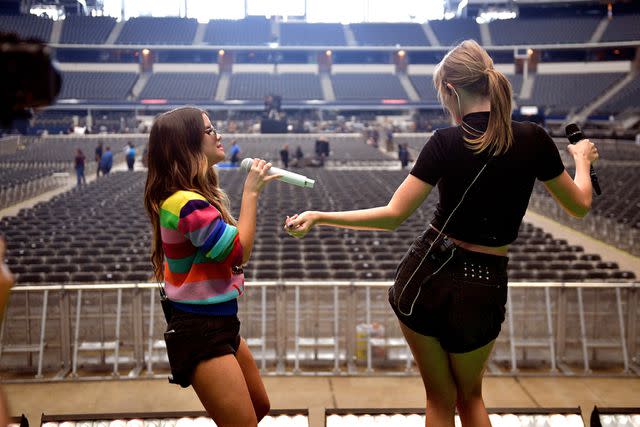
(415, 298)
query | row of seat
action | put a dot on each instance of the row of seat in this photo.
(95, 247)
(620, 198)
(316, 261)
(556, 93)
(55, 150)
(257, 31)
(63, 277)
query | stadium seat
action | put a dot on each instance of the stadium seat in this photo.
(137, 277)
(83, 277)
(57, 277)
(344, 275)
(597, 274)
(40, 268)
(572, 276)
(626, 275)
(23, 278)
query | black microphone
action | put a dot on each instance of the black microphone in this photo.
(574, 134)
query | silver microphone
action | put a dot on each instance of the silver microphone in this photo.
(288, 177)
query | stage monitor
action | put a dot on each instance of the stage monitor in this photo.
(273, 126)
(516, 417)
(615, 417)
(276, 418)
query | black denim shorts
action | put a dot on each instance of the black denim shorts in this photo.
(192, 338)
(462, 301)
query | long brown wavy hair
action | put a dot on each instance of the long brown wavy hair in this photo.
(176, 162)
(469, 67)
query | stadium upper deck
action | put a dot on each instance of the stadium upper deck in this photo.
(255, 32)
(224, 64)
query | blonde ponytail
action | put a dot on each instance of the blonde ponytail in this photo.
(499, 136)
(469, 67)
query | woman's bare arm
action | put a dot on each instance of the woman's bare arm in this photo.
(575, 195)
(409, 195)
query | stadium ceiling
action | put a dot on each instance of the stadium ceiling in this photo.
(534, 2)
(469, 8)
(453, 5)
(66, 3)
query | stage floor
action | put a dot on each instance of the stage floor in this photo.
(316, 394)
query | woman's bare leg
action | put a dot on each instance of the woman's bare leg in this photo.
(221, 387)
(254, 382)
(433, 363)
(468, 370)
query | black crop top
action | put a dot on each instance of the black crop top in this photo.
(492, 210)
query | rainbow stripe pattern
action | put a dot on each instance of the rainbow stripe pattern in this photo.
(200, 250)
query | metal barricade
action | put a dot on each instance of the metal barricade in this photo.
(314, 328)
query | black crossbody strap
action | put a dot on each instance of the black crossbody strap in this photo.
(435, 240)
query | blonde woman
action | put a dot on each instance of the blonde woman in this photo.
(451, 286)
(198, 251)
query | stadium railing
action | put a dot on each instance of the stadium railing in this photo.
(324, 327)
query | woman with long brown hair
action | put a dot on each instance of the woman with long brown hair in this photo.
(198, 251)
(451, 286)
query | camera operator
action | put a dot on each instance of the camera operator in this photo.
(29, 80)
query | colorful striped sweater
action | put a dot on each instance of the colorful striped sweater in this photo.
(200, 251)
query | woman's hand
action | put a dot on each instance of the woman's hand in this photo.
(257, 177)
(584, 149)
(299, 225)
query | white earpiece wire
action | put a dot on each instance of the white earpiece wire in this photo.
(431, 246)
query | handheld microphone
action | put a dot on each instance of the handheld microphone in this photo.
(288, 177)
(574, 134)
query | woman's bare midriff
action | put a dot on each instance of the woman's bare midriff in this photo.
(491, 250)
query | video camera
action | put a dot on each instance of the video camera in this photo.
(28, 77)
